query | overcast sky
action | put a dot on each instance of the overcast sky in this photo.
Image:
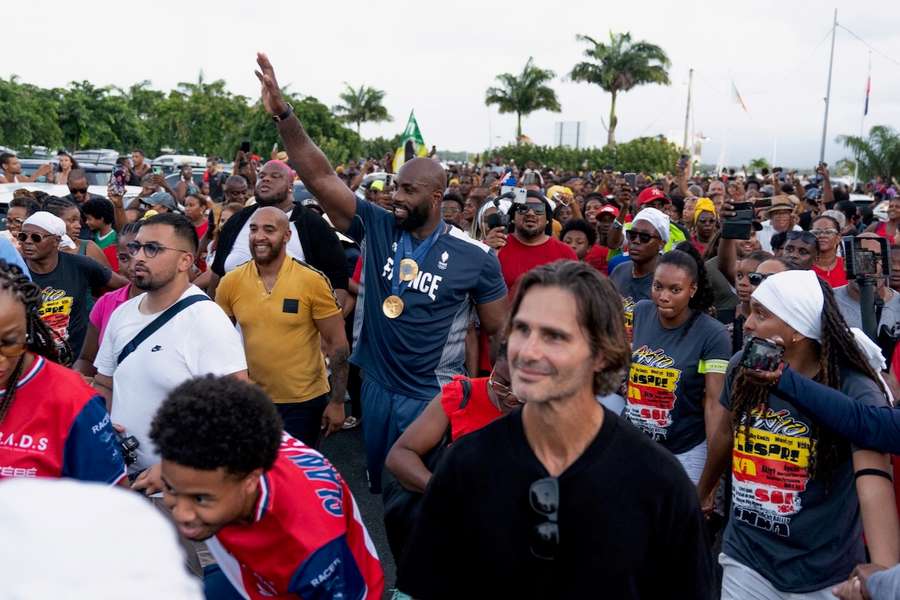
(439, 58)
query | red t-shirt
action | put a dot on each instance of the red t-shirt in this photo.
(596, 257)
(516, 258)
(478, 411)
(836, 277)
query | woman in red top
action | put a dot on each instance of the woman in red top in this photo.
(489, 398)
(889, 230)
(829, 266)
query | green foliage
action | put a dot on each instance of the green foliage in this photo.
(878, 154)
(199, 117)
(524, 93)
(378, 147)
(362, 105)
(758, 164)
(641, 155)
(619, 66)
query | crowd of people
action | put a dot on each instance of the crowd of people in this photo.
(682, 382)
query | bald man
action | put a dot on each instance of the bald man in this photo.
(410, 332)
(312, 239)
(287, 311)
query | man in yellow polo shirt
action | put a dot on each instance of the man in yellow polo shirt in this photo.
(287, 312)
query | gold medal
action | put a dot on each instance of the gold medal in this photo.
(408, 269)
(392, 306)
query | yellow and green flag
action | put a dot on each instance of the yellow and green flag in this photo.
(411, 144)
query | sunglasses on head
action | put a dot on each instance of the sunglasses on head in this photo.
(543, 496)
(537, 207)
(35, 238)
(640, 235)
(756, 278)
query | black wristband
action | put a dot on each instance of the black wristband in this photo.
(876, 472)
(287, 112)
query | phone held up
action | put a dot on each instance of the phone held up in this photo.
(740, 225)
(762, 355)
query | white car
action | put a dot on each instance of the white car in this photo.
(169, 163)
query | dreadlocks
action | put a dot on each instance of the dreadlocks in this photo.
(40, 339)
(837, 348)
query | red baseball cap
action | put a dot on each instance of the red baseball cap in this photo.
(650, 194)
(608, 209)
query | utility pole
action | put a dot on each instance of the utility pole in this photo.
(828, 90)
(687, 112)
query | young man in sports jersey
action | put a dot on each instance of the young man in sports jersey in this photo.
(409, 335)
(276, 515)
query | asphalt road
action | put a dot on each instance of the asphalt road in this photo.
(346, 453)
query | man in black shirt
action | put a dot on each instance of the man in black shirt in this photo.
(562, 499)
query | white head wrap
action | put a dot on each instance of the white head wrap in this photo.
(796, 298)
(657, 218)
(73, 526)
(52, 225)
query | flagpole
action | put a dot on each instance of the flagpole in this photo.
(862, 120)
(687, 112)
(828, 90)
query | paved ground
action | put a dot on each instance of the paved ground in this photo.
(345, 451)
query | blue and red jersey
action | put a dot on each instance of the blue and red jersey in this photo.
(58, 426)
(307, 537)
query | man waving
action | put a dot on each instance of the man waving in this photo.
(420, 280)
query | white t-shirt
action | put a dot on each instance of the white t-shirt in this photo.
(240, 252)
(764, 236)
(197, 341)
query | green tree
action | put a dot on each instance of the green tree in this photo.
(524, 93)
(651, 155)
(619, 66)
(758, 164)
(28, 115)
(362, 105)
(878, 155)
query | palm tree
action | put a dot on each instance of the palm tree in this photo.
(523, 93)
(877, 155)
(758, 164)
(619, 66)
(362, 105)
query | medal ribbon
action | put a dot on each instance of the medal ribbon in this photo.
(405, 250)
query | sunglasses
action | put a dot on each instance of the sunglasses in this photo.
(537, 207)
(640, 235)
(824, 232)
(803, 236)
(756, 278)
(151, 249)
(35, 238)
(78, 190)
(543, 495)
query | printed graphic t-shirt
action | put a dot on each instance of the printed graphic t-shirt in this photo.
(784, 524)
(667, 377)
(632, 289)
(65, 293)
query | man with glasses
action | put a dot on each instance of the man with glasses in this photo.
(781, 219)
(78, 193)
(543, 500)
(530, 244)
(67, 280)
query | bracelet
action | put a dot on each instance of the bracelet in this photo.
(288, 112)
(876, 472)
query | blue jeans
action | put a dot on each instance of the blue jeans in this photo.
(387, 416)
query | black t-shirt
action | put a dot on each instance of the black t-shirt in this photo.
(65, 292)
(629, 522)
(217, 186)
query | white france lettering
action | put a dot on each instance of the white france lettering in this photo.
(432, 290)
(388, 271)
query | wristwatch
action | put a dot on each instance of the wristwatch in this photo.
(288, 112)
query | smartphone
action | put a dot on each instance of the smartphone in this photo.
(245, 146)
(498, 219)
(117, 182)
(761, 355)
(631, 180)
(506, 189)
(739, 226)
(521, 195)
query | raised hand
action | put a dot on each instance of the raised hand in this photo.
(272, 100)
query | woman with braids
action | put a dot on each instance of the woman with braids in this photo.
(801, 495)
(678, 361)
(53, 424)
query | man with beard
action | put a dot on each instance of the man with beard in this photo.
(530, 244)
(163, 337)
(280, 302)
(312, 240)
(420, 280)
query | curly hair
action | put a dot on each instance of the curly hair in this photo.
(580, 225)
(210, 422)
(837, 348)
(40, 339)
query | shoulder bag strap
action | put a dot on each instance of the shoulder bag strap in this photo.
(158, 322)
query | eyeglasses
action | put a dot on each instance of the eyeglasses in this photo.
(13, 349)
(640, 235)
(824, 232)
(503, 391)
(35, 238)
(14, 221)
(756, 278)
(151, 249)
(537, 207)
(803, 236)
(543, 495)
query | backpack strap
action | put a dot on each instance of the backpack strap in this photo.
(154, 325)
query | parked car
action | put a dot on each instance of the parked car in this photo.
(169, 163)
(100, 155)
(7, 189)
(97, 173)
